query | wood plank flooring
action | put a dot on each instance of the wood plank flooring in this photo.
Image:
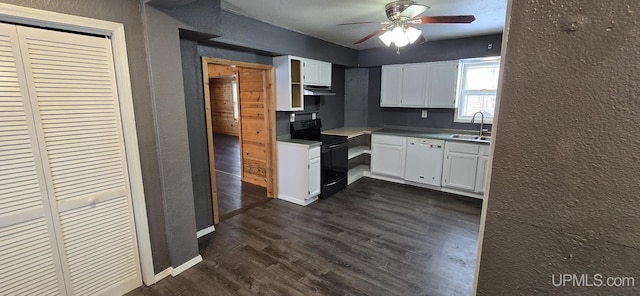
(373, 238)
(234, 196)
(226, 151)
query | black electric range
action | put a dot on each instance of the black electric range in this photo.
(334, 157)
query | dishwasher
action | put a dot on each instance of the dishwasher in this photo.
(424, 161)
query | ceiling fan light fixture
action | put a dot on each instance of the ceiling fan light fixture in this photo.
(386, 38)
(413, 34)
(400, 38)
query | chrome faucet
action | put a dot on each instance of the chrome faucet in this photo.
(473, 120)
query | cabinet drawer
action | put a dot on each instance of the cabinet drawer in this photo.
(462, 147)
(484, 150)
(314, 152)
(390, 140)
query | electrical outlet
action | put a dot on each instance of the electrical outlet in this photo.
(292, 117)
(424, 114)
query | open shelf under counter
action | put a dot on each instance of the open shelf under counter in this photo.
(350, 132)
(358, 150)
(357, 172)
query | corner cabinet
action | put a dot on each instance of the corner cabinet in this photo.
(298, 172)
(419, 85)
(388, 155)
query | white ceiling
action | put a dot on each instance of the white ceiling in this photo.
(320, 18)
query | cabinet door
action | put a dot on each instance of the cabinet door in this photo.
(481, 174)
(414, 85)
(325, 74)
(314, 176)
(390, 86)
(459, 170)
(311, 72)
(441, 89)
(388, 155)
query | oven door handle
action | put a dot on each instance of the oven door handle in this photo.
(333, 146)
(331, 184)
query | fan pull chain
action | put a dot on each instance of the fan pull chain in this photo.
(398, 52)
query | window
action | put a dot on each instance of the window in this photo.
(477, 89)
(234, 89)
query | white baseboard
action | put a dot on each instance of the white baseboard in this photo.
(175, 271)
(163, 274)
(297, 201)
(205, 231)
(178, 270)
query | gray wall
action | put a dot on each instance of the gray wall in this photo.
(168, 92)
(436, 117)
(563, 194)
(250, 34)
(128, 13)
(356, 104)
(432, 51)
(427, 52)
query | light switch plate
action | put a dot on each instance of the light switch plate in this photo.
(424, 113)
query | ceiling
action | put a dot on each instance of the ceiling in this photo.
(320, 18)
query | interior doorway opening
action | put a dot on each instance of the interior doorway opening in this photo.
(240, 118)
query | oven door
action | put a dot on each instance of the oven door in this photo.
(335, 165)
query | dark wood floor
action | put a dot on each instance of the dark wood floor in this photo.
(234, 196)
(226, 151)
(373, 238)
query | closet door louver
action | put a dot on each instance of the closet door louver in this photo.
(77, 117)
(29, 260)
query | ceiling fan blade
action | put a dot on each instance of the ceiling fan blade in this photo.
(450, 19)
(376, 33)
(414, 10)
(360, 23)
(420, 40)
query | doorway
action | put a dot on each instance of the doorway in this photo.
(240, 118)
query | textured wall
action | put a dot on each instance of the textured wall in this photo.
(128, 13)
(431, 51)
(564, 187)
(356, 104)
(168, 93)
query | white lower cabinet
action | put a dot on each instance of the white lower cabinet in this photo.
(465, 166)
(388, 155)
(298, 172)
(481, 174)
(314, 170)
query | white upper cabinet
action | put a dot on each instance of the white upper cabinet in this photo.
(391, 86)
(420, 85)
(441, 86)
(414, 78)
(316, 73)
(288, 83)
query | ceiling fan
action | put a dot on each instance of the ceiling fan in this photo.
(403, 16)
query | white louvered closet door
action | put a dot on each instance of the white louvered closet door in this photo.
(77, 120)
(29, 259)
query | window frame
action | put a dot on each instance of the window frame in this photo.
(461, 92)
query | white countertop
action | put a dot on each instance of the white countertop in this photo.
(350, 132)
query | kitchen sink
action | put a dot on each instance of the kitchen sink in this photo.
(471, 137)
